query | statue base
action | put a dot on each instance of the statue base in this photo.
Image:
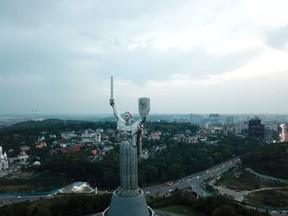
(127, 206)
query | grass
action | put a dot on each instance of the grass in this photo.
(240, 179)
(275, 197)
(181, 210)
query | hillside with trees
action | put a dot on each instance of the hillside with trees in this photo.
(175, 161)
(271, 160)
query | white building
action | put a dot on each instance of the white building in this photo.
(68, 135)
(3, 160)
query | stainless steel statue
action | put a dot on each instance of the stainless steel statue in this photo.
(130, 145)
(129, 199)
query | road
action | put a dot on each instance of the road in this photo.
(193, 181)
(7, 200)
(283, 134)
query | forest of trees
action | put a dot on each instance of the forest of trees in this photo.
(175, 161)
(271, 159)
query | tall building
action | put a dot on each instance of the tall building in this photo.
(194, 119)
(255, 128)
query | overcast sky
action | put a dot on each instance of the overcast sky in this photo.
(187, 56)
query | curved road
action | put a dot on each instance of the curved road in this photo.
(193, 181)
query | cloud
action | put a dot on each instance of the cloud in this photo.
(261, 95)
(64, 52)
(278, 38)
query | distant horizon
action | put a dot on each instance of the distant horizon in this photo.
(16, 118)
(137, 114)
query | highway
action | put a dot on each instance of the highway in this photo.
(193, 181)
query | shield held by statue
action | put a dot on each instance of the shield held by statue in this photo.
(143, 106)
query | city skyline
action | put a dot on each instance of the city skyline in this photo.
(186, 56)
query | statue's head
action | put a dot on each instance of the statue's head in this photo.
(128, 117)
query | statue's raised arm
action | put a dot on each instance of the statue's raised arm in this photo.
(117, 115)
(115, 111)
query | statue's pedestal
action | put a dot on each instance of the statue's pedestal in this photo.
(128, 206)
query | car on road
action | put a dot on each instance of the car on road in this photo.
(169, 183)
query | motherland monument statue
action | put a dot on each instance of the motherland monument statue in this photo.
(129, 199)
